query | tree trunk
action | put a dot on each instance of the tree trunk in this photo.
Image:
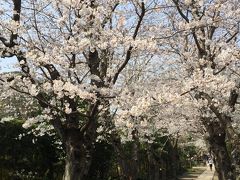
(129, 166)
(233, 136)
(154, 164)
(135, 156)
(174, 159)
(223, 162)
(124, 168)
(78, 156)
(163, 169)
(128, 163)
(151, 165)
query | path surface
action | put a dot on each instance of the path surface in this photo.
(199, 173)
(206, 175)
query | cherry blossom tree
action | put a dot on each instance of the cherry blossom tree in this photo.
(207, 59)
(71, 55)
(125, 70)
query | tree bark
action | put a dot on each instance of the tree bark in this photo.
(78, 155)
(163, 169)
(123, 164)
(174, 158)
(151, 164)
(128, 164)
(233, 139)
(134, 160)
(135, 155)
(154, 164)
(217, 143)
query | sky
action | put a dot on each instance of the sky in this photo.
(7, 64)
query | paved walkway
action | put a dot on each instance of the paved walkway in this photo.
(199, 173)
(206, 175)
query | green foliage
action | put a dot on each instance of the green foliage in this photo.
(39, 158)
(29, 157)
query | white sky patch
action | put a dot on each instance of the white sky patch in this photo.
(8, 64)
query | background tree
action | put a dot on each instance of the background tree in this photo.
(207, 58)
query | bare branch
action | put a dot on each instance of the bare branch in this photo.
(234, 35)
(176, 2)
(129, 51)
(192, 89)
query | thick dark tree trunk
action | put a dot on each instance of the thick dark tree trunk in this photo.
(128, 163)
(163, 169)
(223, 162)
(222, 159)
(128, 166)
(154, 164)
(124, 169)
(174, 159)
(151, 165)
(79, 150)
(154, 173)
(135, 156)
(132, 164)
(233, 139)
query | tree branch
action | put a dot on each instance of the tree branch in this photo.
(129, 51)
(176, 2)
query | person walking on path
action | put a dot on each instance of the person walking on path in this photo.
(210, 162)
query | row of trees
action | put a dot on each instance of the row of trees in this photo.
(126, 70)
(24, 155)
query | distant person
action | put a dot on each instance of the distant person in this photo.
(210, 162)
